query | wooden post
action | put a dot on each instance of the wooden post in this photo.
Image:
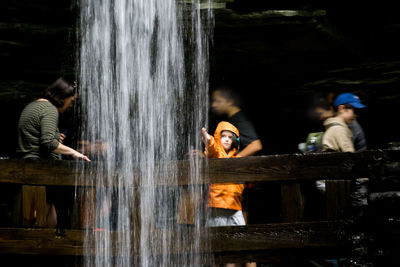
(87, 203)
(186, 208)
(337, 198)
(292, 202)
(189, 203)
(34, 211)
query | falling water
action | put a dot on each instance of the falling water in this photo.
(143, 74)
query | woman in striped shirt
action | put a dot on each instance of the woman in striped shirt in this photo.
(39, 137)
(38, 134)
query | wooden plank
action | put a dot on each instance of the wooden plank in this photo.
(41, 172)
(293, 167)
(290, 167)
(282, 257)
(223, 240)
(292, 202)
(337, 198)
(279, 257)
(34, 211)
(40, 241)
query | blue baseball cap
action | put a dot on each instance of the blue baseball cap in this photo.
(348, 98)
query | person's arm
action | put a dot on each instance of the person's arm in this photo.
(66, 150)
(48, 127)
(251, 149)
(205, 137)
(209, 142)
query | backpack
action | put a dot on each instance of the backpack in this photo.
(314, 139)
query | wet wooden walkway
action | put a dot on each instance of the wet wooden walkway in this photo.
(267, 242)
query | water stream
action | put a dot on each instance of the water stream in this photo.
(143, 78)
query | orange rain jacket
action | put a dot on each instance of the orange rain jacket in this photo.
(223, 195)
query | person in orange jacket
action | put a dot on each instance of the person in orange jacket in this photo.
(224, 199)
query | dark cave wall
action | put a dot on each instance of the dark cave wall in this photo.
(279, 63)
(276, 62)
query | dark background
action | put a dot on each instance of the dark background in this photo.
(276, 62)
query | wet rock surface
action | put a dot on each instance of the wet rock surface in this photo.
(374, 227)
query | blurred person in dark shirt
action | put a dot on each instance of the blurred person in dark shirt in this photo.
(225, 101)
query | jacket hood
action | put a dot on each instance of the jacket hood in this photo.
(224, 126)
(334, 120)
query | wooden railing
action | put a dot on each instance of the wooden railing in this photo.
(228, 244)
(284, 168)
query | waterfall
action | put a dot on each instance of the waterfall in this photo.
(143, 86)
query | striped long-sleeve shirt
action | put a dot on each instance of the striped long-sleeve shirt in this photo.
(38, 133)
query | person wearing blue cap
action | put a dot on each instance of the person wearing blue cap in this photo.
(338, 136)
(348, 98)
(359, 141)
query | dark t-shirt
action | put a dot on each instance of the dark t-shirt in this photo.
(358, 138)
(247, 132)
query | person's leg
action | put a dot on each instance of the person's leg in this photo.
(51, 215)
(63, 202)
(235, 218)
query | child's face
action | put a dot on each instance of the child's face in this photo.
(227, 139)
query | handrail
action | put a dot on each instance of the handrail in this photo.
(227, 241)
(287, 167)
(227, 244)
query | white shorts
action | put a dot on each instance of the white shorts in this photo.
(225, 217)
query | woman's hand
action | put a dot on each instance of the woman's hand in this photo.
(78, 155)
(62, 137)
